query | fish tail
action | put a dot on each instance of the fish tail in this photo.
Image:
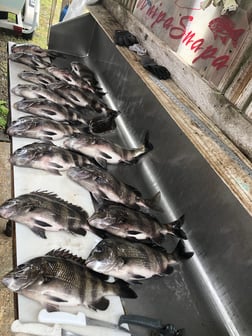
(176, 228)
(180, 253)
(148, 146)
(153, 202)
(123, 290)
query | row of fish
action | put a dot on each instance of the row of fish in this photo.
(43, 211)
(122, 217)
(60, 94)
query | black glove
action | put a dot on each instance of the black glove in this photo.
(124, 38)
(157, 70)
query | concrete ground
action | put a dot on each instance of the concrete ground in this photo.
(6, 246)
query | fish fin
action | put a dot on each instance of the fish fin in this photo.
(39, 232)
(176, 227)
(101, 276)
(54, 171)
(52, 308)
(79, 231)
(56, 165)
(56, 299)
(180, 253)
(65, 254)
(43, 224)
(49, 133)
(153, 202)
(124, 290)
(101, 304)
(148, 146)
(169, 270)
(102, 124)
(97, 199)
(138, 277)
(101, 162)
(105, 155)
(135, 282)
(134, 232)
(135, 190)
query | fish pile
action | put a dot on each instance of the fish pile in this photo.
(68, 104)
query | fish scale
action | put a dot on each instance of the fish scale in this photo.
(58, 279)
(42, 211)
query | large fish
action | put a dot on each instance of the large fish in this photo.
(129, 223)
(47, 156)
(48, 109)
(129, 261)
(31, 60)
(44, 211)
(103, 150)
(80, 97)
(37, 77)
(60, 279)
(34, 50)
(104, 186)
(41, 128)
(33, 91)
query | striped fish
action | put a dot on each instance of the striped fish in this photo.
(132, 262)
(44, 211)
(60, 279)
(47, 156)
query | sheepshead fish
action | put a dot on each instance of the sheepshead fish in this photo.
(48, 109)
(31, 60)
(33, 91)
(103, 150)
(129, 261)
(47, 156)
(36, 77)
(41, 128)
(80, 97)
(69, 78)
(44, 211)
(60, 279)
(129, 223)
(34, 50)
(104, 186)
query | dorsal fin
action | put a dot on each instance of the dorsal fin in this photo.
(55, 198)
(66, 254)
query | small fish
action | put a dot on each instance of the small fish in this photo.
(33, 91)
(134, 261)
(48, 109)
(44, 211)
(224, 28)
(103, 150)
(37, 77)
(80, 97)
(31, 60)
(41, 128)
(47, 156)
(69, 78)
(104, 186)
(34, 50)
(60, 279)
(129, 223)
